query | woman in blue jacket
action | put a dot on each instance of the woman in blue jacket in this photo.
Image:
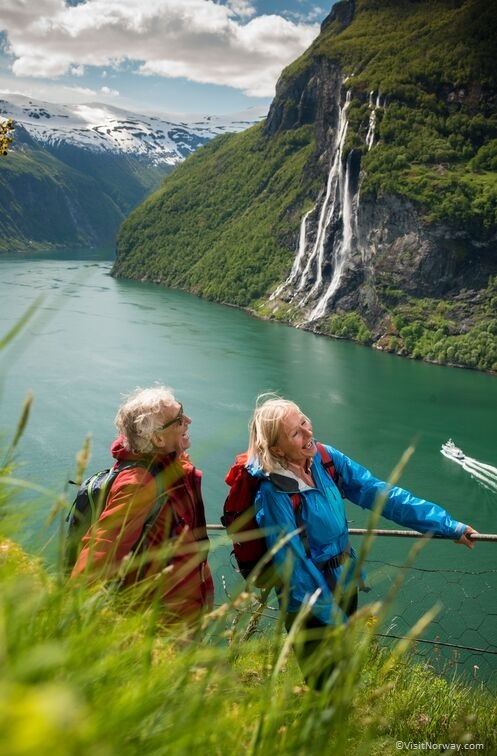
(282, 451)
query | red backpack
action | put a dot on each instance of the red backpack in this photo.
(249, 542)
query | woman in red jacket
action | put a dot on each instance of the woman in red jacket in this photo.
(171, 566)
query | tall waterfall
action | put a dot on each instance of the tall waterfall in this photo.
(328, 231)
(296, 271)
(310, 259)
(342, 243)
(373, 107)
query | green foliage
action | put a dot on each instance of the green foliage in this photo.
(222, 223)
(91, 670)
(348, 326)
(6, 127)
(72, 200)
(431, 62)
(394, 45)
(225, 225)
(486, 157)
(431, 331)
(82, 672)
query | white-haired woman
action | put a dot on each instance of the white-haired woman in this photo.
(283, 452)
(150, 453)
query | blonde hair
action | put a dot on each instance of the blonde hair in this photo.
(264, 429)
(140, 414)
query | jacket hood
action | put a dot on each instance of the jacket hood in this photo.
(283, 480)
(254, 468)
(121, 454)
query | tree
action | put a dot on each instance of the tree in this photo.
(5, 128)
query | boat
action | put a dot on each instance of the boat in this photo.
(450, 450)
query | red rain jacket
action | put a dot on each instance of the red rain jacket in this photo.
(175, 570)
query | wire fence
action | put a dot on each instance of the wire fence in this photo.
(461, 641)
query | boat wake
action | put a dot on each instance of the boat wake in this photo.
(483, 473)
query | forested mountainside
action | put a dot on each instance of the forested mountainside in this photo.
(67, 197)
(73, 173)
(365, 207)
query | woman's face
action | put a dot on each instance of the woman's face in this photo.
(295, 442)
(175, 437)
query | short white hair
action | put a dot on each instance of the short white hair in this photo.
(140, 414)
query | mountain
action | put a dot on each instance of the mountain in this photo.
(74, 172)
(365, 206)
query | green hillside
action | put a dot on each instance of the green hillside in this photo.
(66, 197)
(225, 224)
(434, 63)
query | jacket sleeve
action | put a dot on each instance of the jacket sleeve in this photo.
(276, 516)
(400, 506)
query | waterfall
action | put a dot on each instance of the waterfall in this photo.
(323, 257)
(372, 119)
(342, 245)
(330, 206)
(298, 262)
(309, 260)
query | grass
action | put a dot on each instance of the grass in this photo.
(82, 672)
(86, 671)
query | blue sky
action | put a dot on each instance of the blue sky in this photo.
(169, 56)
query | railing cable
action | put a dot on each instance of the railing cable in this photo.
(396, 533)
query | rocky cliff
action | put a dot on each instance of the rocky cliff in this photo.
(373, 252)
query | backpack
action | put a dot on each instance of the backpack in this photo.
(249, 542)
(90, 501)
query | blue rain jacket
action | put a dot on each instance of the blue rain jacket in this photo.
(322, 514)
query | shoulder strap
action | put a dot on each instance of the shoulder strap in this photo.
(327, 461)
(160, 498)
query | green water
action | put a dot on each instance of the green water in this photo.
(94, 339)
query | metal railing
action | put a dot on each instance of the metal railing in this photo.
(396, 533)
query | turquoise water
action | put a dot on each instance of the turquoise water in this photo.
(94, 339)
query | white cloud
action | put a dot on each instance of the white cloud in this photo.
(200, 40)
(109, 92)
(241, 8)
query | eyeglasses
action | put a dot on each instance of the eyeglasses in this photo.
(177, 419)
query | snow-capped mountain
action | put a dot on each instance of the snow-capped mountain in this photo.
(159, 139)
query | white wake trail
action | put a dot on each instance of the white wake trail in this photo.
(486, 474)
(487, 469)
(483, 473)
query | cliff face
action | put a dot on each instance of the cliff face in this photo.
(371, 251)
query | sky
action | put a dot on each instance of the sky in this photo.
(154, 56)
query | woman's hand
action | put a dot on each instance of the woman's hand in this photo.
(465, 539)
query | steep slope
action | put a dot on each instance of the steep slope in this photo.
(75, 200)
(73, 173)
(366, 206)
